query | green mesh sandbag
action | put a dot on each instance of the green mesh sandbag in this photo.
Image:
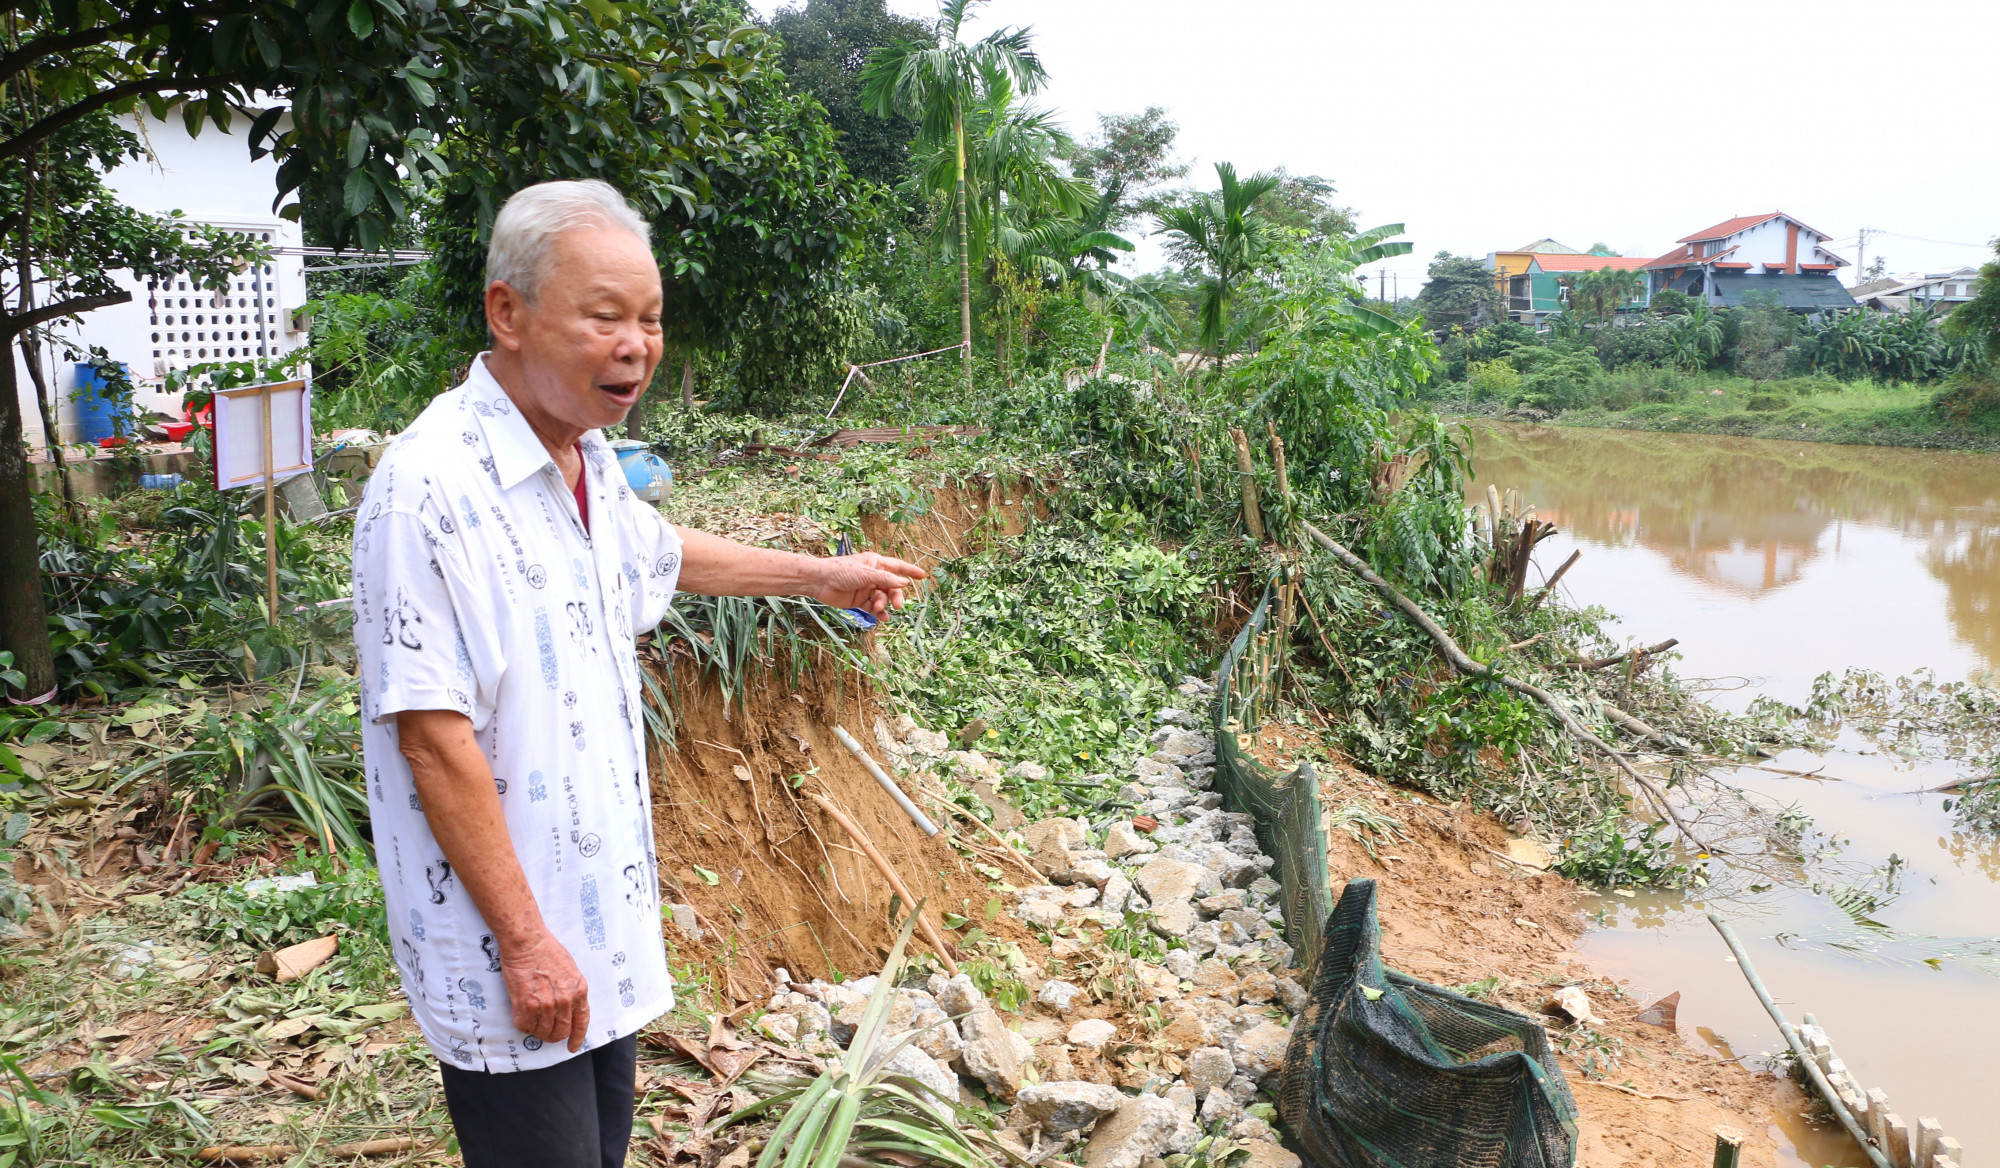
(1384, 1070)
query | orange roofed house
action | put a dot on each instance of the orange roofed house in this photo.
(1728, 264)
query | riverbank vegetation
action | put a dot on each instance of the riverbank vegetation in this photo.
(1107, 478)
(1907, 378)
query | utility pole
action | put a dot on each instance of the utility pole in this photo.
(1861, 256)
(1381, 284)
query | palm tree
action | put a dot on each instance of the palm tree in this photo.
(1221, 236)
(1600, 294)
(936, 84)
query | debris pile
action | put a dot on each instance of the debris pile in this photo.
(1168, 973)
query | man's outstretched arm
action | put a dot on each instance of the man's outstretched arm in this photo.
(713, 566)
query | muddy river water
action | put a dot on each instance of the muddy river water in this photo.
(1773, 563)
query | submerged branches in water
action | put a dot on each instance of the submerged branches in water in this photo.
(1917, 718)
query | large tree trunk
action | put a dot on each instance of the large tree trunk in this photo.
(964, 253)
(24, 628)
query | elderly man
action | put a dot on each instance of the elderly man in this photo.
(501, 571)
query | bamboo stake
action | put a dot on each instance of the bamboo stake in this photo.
(1806, 1062)
(895, 882)
(1247, 475)
(1278, 463)
(1194, 469)
(1466, 665)
(1007, 848)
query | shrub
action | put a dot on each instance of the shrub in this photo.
(1969, 397)
(1495, 380)
(1766, 403)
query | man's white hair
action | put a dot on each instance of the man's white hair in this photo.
(535, 215)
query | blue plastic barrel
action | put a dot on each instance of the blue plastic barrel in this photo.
(97, 416)
(646, 473)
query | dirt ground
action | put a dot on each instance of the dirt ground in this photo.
(1456, 911)
(792, 889)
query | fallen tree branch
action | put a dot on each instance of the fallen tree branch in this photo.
(1466, 665)
(1628, 722)
(1615, 658)
(259, 1153)
(1553, 580)
(1633, 1092)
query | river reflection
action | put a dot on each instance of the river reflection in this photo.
(1773, 563)
(1750, 520)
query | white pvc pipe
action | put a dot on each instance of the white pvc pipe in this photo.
(888, 784)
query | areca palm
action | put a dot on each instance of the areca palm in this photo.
(1600, 294)
(1221, 236)
(936, 84)
(1012, 182)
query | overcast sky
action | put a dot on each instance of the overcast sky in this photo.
(1485, 125)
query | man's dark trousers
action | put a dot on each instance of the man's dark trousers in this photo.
(575, 1114)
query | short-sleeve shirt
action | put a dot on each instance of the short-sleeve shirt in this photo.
(477, 588)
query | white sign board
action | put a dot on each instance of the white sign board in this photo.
(240, 430)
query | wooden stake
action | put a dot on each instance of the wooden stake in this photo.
(895, 882)
(1194, 469)
(270, 517)
(1247, 475)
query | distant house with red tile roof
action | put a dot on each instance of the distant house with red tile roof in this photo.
(1731, 262)
(1534, 279)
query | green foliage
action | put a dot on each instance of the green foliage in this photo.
(859, 1107)
(1460, 291)
(1127, 157)
(380, 359)
(823, 43)
(126, 612)
(1979, 318)
(1063, 641)
(1611, 855)
(1221, 238)
(285, 764)
(345, 900)
(1601, 294)
(1495, 380)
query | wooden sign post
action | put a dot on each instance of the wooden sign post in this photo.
(262, 444)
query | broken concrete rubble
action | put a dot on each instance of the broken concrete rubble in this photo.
(1061, 1107)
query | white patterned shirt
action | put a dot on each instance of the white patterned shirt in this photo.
(477, 588)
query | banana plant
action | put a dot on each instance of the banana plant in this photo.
(860, 1111)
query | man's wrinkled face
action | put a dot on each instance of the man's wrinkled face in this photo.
(589, 341)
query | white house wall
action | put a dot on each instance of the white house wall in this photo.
(1765, 244)
(209, 179)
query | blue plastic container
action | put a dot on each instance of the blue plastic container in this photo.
(98, 417)
(646, 473)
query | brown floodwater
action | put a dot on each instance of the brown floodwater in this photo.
(1773, 563)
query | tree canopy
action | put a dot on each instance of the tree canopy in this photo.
(825, 44)
(1460, 292)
